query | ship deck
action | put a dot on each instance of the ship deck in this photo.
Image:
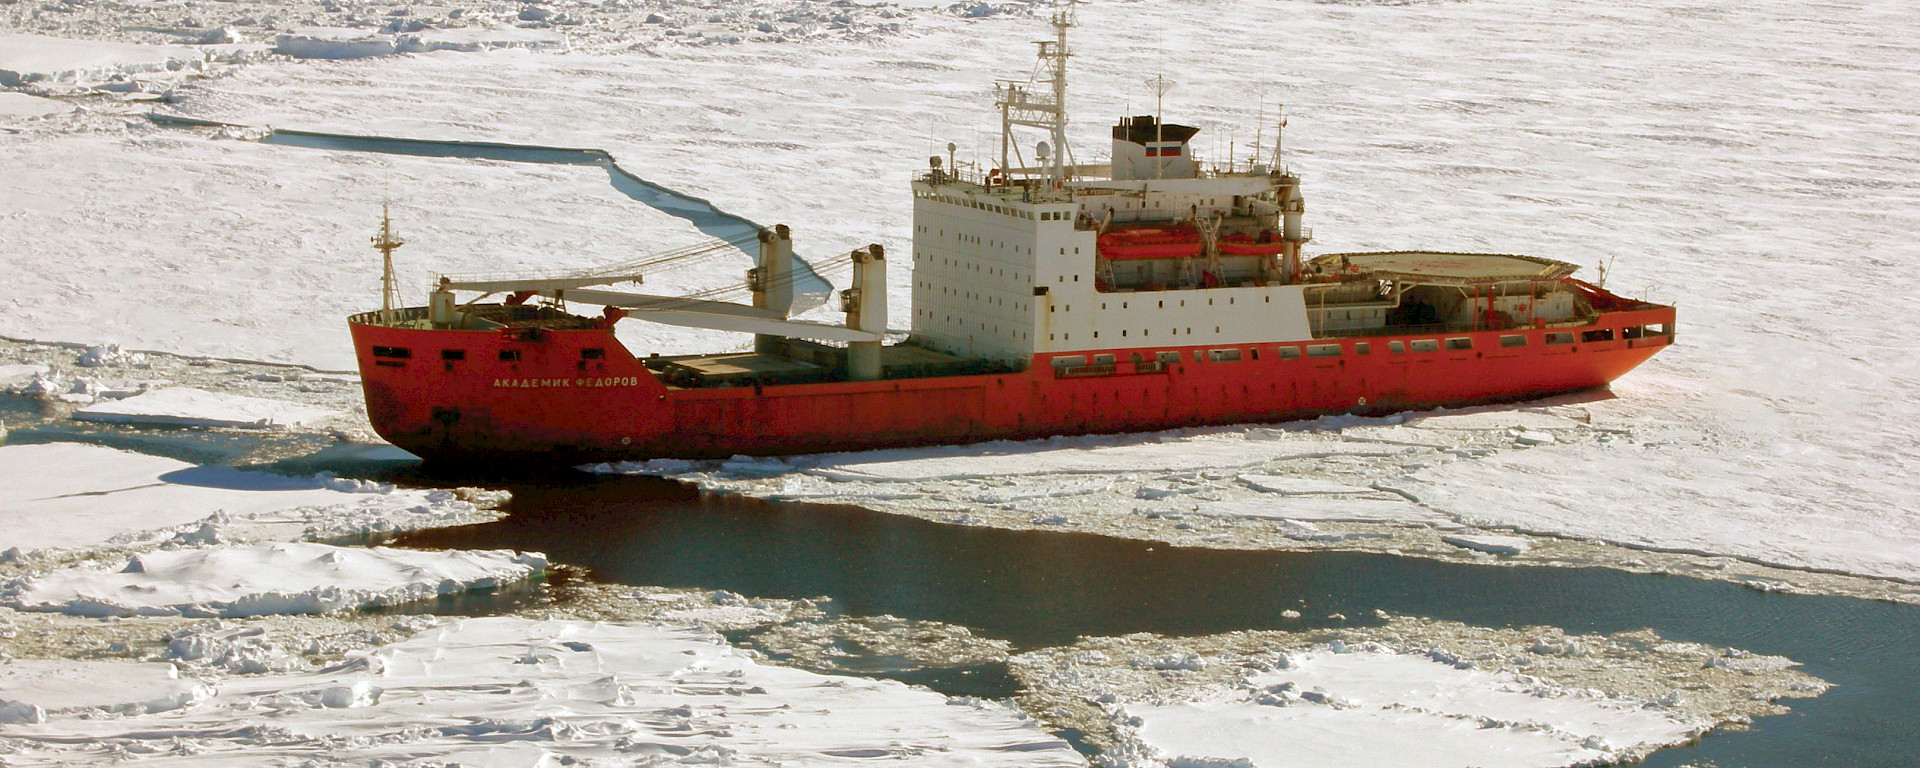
(1441, 267)
(798, 361)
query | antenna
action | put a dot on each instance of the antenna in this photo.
(1161, 85)
(1278, 132)
(385, 243)
(1027, 105)
(1259, 134)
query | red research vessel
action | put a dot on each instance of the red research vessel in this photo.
(1050, 298)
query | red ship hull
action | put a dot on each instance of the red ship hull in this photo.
(544, 401)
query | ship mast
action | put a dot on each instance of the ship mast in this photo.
(385, 242)
(1020, 106)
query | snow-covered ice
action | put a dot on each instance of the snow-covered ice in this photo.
(17, 106)
(27, 59)
(80, 497)
(1709, 153)
(267, 578)
(186, 406)
(33, 689)
(513, 692)
(1391, 709)
(1409, 692)
(1755, 419)
(20, 373)
(350, 43)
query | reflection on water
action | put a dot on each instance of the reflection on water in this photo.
(1043, 588)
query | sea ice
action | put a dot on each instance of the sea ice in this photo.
(1335, 509)
(267, 578)
(1410, 692)
(1498, 545)
(185, 406)
(1490, 418)
(517, 692)
(356, 43)
(61, 687)
(15, 374)
(19, 106)
(26, 59)
(1746, 436)
(78, 496)
(1372, 708)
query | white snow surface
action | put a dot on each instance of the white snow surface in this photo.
(77, 496)
(59, 687)
(1709, 153)
(15, 106)
(267, 579)
(39, 58)
(353, 43)
(186, 406)
(20, 373)
(514, 692)
(1374, 708)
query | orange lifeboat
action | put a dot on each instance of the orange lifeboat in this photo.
(1249, 245)
(1179, 241)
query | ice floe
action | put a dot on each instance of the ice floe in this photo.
(1391, 709)
(266, 578)
(186, 406)
(355, 43)
(13, 374)
(489, 692)
(19, 106)
(1409, 692)
(80, 497)
(31, 690)
(1498, 545)
(28, 59)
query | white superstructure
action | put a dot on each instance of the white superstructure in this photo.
(1032, 260)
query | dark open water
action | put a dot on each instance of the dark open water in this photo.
(1043, 588)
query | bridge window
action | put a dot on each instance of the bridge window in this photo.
(1323, 350)
(1460, 342)
(509, 355)
(1069, 361)
(1289, 353)
(1425, 345)
(1604, 334)
(1361, 348)
(593, 354)
(1560, 337)
(1167, 357)
(400, 353)
(1513, 340)
(453, 354)
(1397, 347)
(1223, 355)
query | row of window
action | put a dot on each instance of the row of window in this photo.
(1292, 352)
(1005, 210)
(506, 355)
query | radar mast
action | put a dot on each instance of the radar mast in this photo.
(1021, 105)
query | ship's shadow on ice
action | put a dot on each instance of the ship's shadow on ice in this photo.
(234, 479)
